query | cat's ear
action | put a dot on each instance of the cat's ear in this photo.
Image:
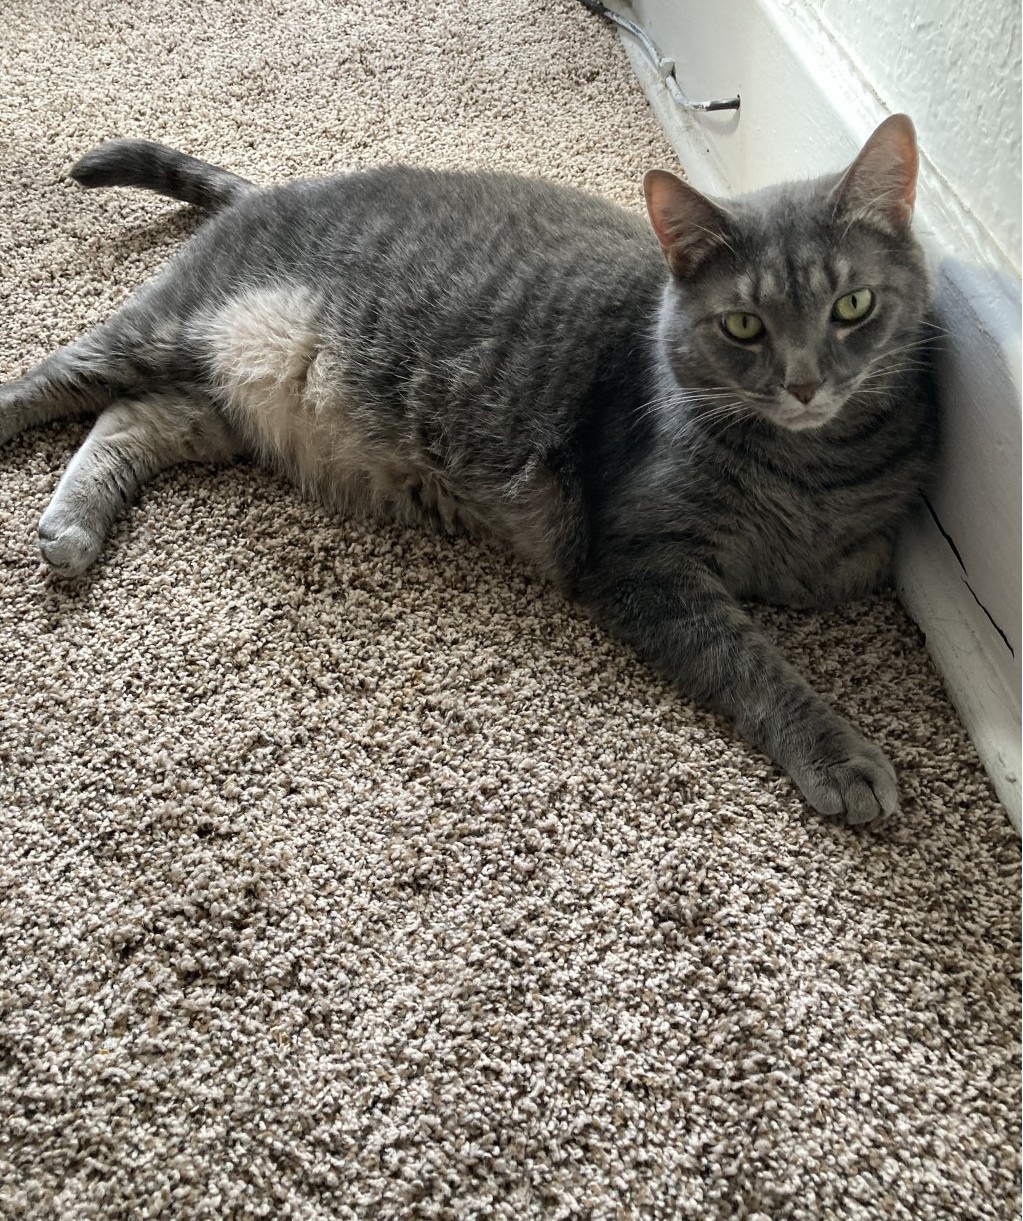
(880, 185)
(688, 226)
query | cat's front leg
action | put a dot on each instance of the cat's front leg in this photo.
(690, 628)
(131, 442)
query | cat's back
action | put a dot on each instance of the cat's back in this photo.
(446, 256)
(431, 337)
(408, 217)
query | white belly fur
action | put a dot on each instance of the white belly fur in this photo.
(283, 386)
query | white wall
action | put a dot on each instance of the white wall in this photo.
(815, 77)
(955, 68)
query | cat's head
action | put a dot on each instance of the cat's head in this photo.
(786, 302)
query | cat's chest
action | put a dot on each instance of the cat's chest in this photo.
(798, 547)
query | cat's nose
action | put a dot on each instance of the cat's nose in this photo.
(804, 391)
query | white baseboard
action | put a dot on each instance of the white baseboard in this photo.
(806, 108)
(932, 587)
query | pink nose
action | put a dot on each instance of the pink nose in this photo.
(804, 391)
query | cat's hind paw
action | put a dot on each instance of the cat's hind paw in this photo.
(858, 786)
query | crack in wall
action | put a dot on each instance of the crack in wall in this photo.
(945, 535)
(988, 613)
(955, 551)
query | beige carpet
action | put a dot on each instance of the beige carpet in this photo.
(349, 873)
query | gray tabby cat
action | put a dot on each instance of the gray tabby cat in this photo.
(511, 356)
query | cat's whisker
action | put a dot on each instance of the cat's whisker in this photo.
(709, 400)
(897, 360)
(682, 398)
(923, 344)
(935, 326)
(654, 407)
(893, 370)
(706, 421)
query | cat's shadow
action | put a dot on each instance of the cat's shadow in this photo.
(166, 232)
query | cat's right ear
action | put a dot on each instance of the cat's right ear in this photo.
(688, 226)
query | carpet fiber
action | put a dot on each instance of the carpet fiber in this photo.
(347, 872)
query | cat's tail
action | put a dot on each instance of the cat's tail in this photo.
(155, 167)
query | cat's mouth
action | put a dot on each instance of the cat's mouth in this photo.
(785, 411)
(803, 418)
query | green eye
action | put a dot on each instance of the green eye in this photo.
(853, 307)
(744, 327)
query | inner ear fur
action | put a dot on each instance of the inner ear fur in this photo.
(880, 185)
(689, 226)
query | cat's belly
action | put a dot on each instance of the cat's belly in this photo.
(283, 385)
(285, 389)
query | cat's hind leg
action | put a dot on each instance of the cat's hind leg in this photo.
(76, 380)
(138, 349)
(131, 442)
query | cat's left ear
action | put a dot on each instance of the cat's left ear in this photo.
(880, 185)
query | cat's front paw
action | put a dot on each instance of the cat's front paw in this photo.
(67, 547)
(853, 780)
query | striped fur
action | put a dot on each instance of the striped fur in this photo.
(506, 355)
(153, 167)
